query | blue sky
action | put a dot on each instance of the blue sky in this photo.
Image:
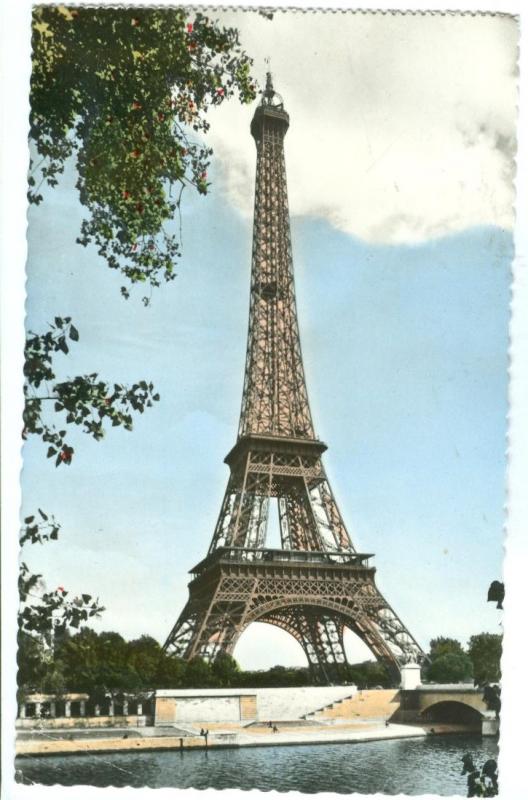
(404, 338)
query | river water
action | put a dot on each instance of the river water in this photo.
(410, 766)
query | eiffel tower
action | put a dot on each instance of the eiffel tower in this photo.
(316, 584)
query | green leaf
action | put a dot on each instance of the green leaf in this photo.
(42, 514)
(74, 333)
(51, 452)
(27, 520)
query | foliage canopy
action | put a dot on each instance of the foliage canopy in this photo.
(451, 668)
(126, 92)
(485, 651)
(85, 400)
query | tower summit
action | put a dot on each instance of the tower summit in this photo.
(275, 400)
(315, 584)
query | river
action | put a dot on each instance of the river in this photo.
(410, 766)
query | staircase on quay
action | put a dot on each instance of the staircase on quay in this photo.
(374, 704)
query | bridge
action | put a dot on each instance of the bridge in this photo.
(447, 702)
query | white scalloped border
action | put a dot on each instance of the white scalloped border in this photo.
(13, 250)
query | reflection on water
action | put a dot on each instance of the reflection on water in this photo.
(409, 766)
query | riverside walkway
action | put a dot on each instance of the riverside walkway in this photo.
(332, 730)
(69, 741)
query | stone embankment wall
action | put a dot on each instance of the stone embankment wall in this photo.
(230, 705)
(297, 702)
(199, 705)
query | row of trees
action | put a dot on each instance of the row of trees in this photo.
(96, 662)
(92, 662)
(451, 663)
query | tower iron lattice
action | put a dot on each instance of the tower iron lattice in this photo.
(315, 584)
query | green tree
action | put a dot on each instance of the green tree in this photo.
(368, 674)
(80, 656)
(115, 671)
(198, 674)
(443, 645)
(126, 91)
(225, 670)
(485, 651)
(95, 662)
(31, 659)
(451, 668)
(170, 673)
(54, 681)
(144, 656)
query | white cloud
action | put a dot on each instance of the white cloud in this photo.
(402, 126)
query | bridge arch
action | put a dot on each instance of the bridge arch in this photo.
(452, 711)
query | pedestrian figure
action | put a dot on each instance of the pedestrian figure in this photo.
(275, 729)
(270, 724)
(387, 723)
